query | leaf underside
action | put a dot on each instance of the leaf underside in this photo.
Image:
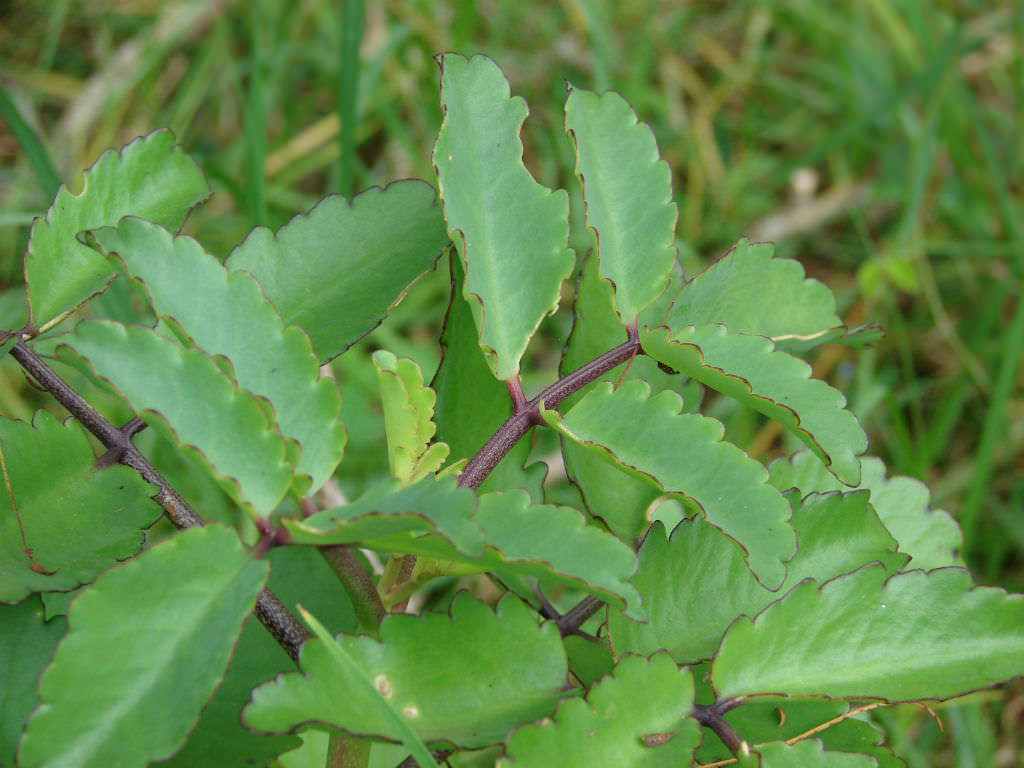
(511, 232)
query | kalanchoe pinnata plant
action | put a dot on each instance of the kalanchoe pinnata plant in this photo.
(698, 607)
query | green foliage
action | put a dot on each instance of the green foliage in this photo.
(778, 587)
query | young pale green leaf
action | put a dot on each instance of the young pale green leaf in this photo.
(26, 645)
(157, 629)
(471, 403)
(684, 454)
(61, 520)
(627, 191)
(150, 177)
(511, 232)
(751, 370)
(750, 292)
(337, 270)
(636, 717)
(915, 636)
(612, 495)
(199, 406)
(809, 754)
(408, 419)
(435, 519)
(466, 679)
(930, 536)
(224, 313)
(836, 534)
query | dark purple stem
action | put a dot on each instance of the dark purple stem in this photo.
(285, 628)
(528, 415)
(713, 717)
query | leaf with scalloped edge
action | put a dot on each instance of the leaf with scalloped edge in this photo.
(914, 636)
(186, 395)
(749, 291)
(465, 679)
(751, 370)
(150, 177)
(511, 232)
(684, 453)
(836, 533)
(160, 628)
(637, 717)
(408, 418)
(497, 533)
(225, 313)
(627, 193)
(76, 522)
(930, 536)
(337, 270)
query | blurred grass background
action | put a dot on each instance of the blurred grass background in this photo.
(881, 143)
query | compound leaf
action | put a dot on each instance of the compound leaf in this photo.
(172, 615)
(684, 454)
(915, 636)
(510, 232)
(464, 679)
(750, 292)
(150, 177)
(624, 720)
(627, 191)
(224, 313)
(751, 370)
(196, 403)
(930, 536)
(75, 521)
(408, 418)
(337, 270)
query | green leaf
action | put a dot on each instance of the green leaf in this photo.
(26, 645)
(224, 313)
(750, 292)
(643, 700)
(695, 583)
(465, 679)
(559, 539)
(151, 177)
(219, 738)
(749, 369)
(157, 629)
(612, 495)
(510, 231)
(435, 519)
(930, 536)
(337, 270)
(915, 636)
(185, 393)
(408, 419)
(627, 190)
(471, 403)
(75, 520)
(685, 454)
(809, 753)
